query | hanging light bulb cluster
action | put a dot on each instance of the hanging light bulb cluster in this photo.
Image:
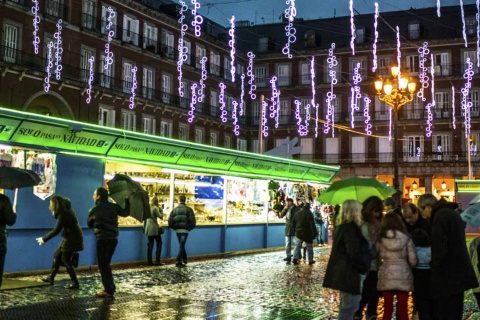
(366, 115)
(236, 127)
(466, 103)
(290, 32)
(36, 23)
(242, 94)
(110, 35)
(454, 124)
(203, 78)
(423, 76)
(375, 39)
(197, 19)
(355, 93)
(264, 119)
(221, 102)
(332, 73)
(477, 19)
(301, 128)
(133, 90)
(49, 67)
(352, 28)
(274, 100)
(251, 75)
(182, 49)
(91, 75)
(231, 43)
(193, 103)
(58, 50)
(464, 32)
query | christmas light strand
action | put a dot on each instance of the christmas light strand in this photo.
(264, 118)
(290, 31)
(277, 114)
(366, 115)
(352, 28)
(423, 76)
(203, 78)
(332, 73)
(236, 127)
(197, 19)
(35, 22)
(110, 35)
(454, 125)
(91, 75)
(274, 99)
(389, 124)
(49, 67)
(242, 95)
(313, 104)
(428, 128)
(251, 75)
(467, 103)
(438, 9)
(477, 19)
(375, 25)
(355, 93)
(432, 74)
(301, 128)
(464, 32)
(399, 55)
(58, 50)
(133, 90)
(231, 43)
(193, 102)
(182, 49)
(221, 102)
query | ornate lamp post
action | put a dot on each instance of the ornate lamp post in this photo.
(395, 92)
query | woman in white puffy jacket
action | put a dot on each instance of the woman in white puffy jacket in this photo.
(398, 257)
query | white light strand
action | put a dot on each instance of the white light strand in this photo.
(375, 25)
(312, 103)
(274, 100)
(389, 124)
(301, 128)
(221, 102)
(428, 128)
(197, 19)
(352, 28)
(36, 22)
(278, 110)
(193, 102)
(463, 22)
(91, 70)
(355, 93)
(251, 75)
(423, 76)
(366, 115)
(242, 95)
(134, 87)
(438, 9)
(231, 43)
(49, 67)
(182, 49)
(110, 35)
(477, 18)
(290, 31)
(467, 103)
(203, 78)
(332, 63)
(236, 127)
(399, 55)
(432, 74)
(454, 125)
(264, 119)
(58, 50)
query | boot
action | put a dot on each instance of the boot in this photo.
(51, 278)
(73, 277)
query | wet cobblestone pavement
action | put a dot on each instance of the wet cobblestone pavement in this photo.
(256, 286)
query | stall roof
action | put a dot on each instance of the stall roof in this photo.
(71, 137)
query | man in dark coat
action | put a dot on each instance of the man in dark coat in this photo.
(103, 218)
(304, 228)
(7, 217)
(414, 220)
(452, 271)
(288, 212)
(182, 220)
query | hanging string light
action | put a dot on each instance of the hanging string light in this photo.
(58, 50)
(49, 67)
(430, 105)
(423, 76)
(432, 74)
(197, 19)
(182, 49)
(274, 100)
(242, 94)
(91, 75)
(193, 102)
(466, 103)
(399, 55)
(236, 127)
(355, 93)
(231, 43)
(313, 103)
(301, 128)
(134, 87)
(221, 102)
(366, 115)
(36, 22)
(290, 32)
(352, 28)
(375, 25)
(438, 9)
(454, 125)
(332, 73)
(251, 75)
(463, 23)
(477, 18)
(110, 35)
(264, 118)
(203, 78)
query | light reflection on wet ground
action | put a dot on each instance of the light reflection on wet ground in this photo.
(259, 286)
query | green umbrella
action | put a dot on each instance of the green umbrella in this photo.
(355, 188)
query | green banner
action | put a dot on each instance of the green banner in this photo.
(206, 159)
(7, 127)
(144, 150)
(468, 186)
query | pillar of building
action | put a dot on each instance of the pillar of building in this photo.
(428, 184)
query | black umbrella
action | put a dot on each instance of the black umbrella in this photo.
(121, 187)
(13, 178)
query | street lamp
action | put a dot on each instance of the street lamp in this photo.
(395, 92)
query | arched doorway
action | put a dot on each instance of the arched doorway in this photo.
(49, 104)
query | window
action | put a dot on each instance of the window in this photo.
(263, 44)
(283, 74)
(307, 151)
(440, 146)
(473, 58)
(105, 15)
(310, 39)
(414, 109)
(127, 77)
(473, 95)
(363, 66)
(412, 64)
(87, 53)
(336, 68)
(148, 125)
(199, 135)
(88, 14)
(305, 76)
(413, 148)
(228, 141)
(241, 144)
(187, 44)
(257, 112)
(168, 48)
(130, 29)
(226, 68)
(150, 34)
(200, 52)
(358, 149)
(213, 103)
(106, 116)
(166, 88)
(148, 83)
(385, 150)
(11, 36)
(214, 63)
(360, 35)
(129, 120)
(332, 148)
(255, 146)
(414, 30)
(284, 112)
(383, 66)
(303, 107)
(54, 8)
(471, 26)
(214, 138)
(442, 64)
(106, 75)
(382, 110)
(166, 128)
(474, 145)
(183, 132)
(442, 103)
(185, 100)
(240, 69)
(260, 73)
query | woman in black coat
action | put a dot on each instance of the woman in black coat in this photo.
(67, 223)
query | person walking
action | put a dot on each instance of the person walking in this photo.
(349, 259)
(7, 218)
(103, 218)
(154, 232)
(317, 216)
(182, 220)
(304, 228)
(451, 268)
(288, 212)
(67, 223)
(397, 253)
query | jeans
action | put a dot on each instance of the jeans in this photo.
(370, 295)
(105, 250)
(158, 251)
(349, 302)
(2, 264)
(297, 255)
(288, 246)
(182, 254)
(319, 233)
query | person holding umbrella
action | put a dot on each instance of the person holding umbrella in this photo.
(67, 223)
(103, 218)
(7, 217)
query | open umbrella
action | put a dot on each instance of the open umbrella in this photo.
(121, 187)
(475, 199)
(13, 178)
(355, 188)
(472, 215)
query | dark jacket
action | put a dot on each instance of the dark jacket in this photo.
(349, 259)
(421, 223)
(452, 271)
(182, 218)
(7, 217)
(67, 223)
(103, 218)
(303, 225)
(151, 224)
(289, 231)
(474, 250)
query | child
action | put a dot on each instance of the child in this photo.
(395, 277)
(421, 274)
